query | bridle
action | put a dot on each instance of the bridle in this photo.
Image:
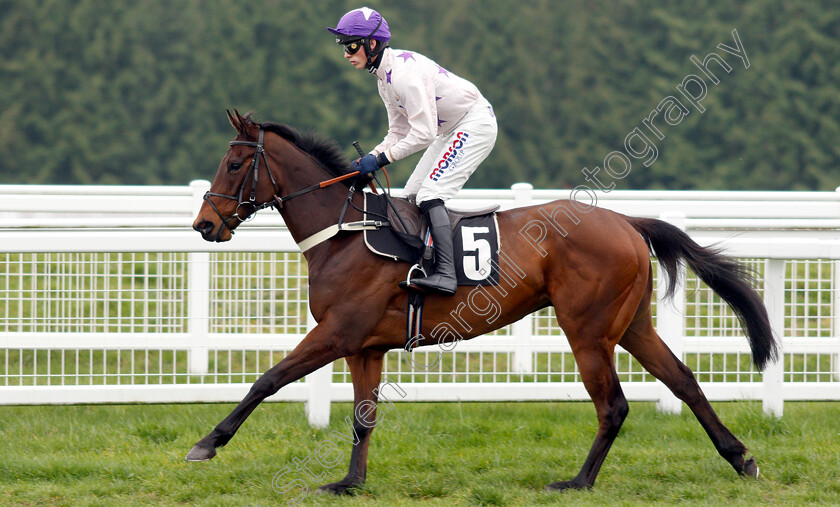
(253, 173)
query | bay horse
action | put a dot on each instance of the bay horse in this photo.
(592, 265)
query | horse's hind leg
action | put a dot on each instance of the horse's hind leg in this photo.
(366, 372)
(595, 363)
(642, 341)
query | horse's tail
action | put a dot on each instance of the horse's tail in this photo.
(728, 278)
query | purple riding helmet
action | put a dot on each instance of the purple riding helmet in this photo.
(363, 24)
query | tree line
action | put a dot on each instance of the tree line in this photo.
(98, 92)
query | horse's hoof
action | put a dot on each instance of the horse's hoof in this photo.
(198, 453)
(564, 485)
(751, 469)
(336, 488)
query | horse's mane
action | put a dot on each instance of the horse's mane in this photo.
(327, 152)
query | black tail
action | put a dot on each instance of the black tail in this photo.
(729, 279)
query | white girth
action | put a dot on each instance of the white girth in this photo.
(325, 234)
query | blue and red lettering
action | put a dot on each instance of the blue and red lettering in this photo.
(451, 156)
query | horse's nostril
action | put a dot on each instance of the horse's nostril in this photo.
(204, 227)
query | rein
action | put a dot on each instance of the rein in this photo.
(276, 202)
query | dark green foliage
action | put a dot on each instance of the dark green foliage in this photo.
(97, 92)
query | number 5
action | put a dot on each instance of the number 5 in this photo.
(476, 267)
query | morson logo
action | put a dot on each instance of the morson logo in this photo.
(451, 157)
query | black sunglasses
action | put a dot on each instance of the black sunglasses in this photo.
(351, 48)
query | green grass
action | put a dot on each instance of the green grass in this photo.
(421, 454)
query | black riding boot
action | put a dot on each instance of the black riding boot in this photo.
(444, 280)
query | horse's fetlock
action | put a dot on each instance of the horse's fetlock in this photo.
(735, 454)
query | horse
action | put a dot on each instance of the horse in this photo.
(591, 264)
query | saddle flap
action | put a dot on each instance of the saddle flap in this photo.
(412, 218)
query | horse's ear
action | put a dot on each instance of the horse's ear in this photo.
(246, 125)
(233, 122)
(239, 117)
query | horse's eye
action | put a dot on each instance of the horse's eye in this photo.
(234, 166)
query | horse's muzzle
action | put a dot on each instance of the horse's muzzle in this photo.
(206, 228)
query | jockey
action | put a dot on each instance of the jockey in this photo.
(428, 108)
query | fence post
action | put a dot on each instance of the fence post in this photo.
(198, 294)
(523, 352)
(319, 384)
(774, 299)
(523, 330)
(835, 280)
(522, 194)
(670, 319)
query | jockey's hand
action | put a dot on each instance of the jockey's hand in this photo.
(366, 165)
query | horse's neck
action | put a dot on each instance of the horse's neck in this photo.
(314, 211)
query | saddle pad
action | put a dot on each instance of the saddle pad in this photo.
(475, 239)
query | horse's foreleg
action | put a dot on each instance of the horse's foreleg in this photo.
(644, 344)
(321, 346)
(366, 372)
(601, 382)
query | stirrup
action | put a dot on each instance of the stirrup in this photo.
(407, 285)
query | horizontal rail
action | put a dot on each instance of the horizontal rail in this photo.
(501, 344)
(33, 205)
(273, 220)
(279, 240)
(126, 190)
(129, 240)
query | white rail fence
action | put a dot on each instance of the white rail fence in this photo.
(107, 295)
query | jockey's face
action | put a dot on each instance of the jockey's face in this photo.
(359, 58)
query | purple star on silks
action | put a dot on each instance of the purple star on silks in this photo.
(388, 76)
(440, 122)
(406, 55)
(441, 70)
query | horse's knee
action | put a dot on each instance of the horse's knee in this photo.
(623, 409)
(364, 419)
(363, 431)
(619, 412)
(264, 386)
(612, 419)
